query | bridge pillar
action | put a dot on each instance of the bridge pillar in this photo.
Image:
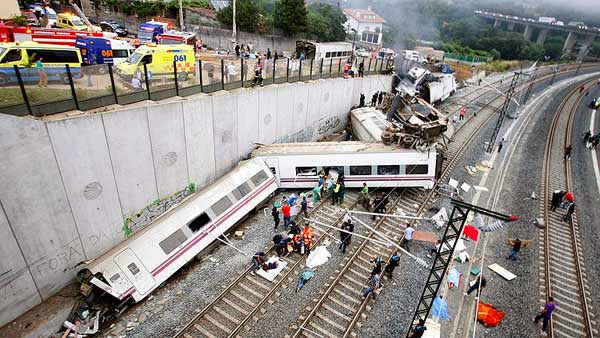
(542, 36)
(587, 43)
(511, 26)
(569, 43)
(528, 32)
(497, 23)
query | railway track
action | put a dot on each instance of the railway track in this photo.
(246, 297)
(242, 300)
(563, 273)
(338, 310)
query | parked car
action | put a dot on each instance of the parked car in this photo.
(32, 19)
(113, 27)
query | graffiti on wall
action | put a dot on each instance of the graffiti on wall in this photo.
(328, 124)
(146, 215)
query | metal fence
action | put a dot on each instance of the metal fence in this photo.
(467, 58)
(96, 86)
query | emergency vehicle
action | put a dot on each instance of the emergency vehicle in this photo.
(25, 54)
(97, 51)
(149, 31)
(176, 37)
(51, 36)
(70, 21)
(159, 60)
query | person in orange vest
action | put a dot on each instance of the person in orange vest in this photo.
(307, 238)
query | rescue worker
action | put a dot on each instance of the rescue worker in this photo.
(361, 101)
(258, 79)
(297, 243)
(392, 264)
(407, 239)
(376, 263)
(361, 69)
(286, 211)
(586, 137)
(557, 197)
(304, 206)
(307, 238)
(294, 228)
(275, 214)
(279, 242)
(568, 217)
(364, 197)
(374, 99)
(346, 237)
(546, 313)
(342, 189)
(335, 196)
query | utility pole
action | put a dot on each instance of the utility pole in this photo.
(503, 111)
(181, 24)
(233, 35)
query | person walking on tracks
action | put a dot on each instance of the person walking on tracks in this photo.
(515, 250)
(500, 144)
(392, 264)
(480, 281)
(275, 214)
(286, 211)
(568, 150)
(545, 314)
(335, 196)
(346, 237)
(407, 239)
(342, 190)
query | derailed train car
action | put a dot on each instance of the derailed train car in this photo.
(141, 263)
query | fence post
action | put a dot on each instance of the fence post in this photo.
(330, 64)
(242, 71)
(72, 86)
(311, 66)
(274, 62)
(222, 74)
(147, 81)
(287, 71)
(381, 66)
(321, 70)
(200, 71)
(369, 70)
(112, 83)
(339, 67)
(175, 76)
(22, 86)
(300, 71)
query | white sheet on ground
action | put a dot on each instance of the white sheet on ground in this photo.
(272, 274)
(433, 329)
(440, 218)
(319, 256)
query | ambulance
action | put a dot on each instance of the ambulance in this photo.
(25, 54)
(97, 51)
(159, 62)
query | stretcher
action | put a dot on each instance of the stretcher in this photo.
(502, 271)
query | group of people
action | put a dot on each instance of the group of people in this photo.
(591, 141)
(377, 263)
(295, 240)
(563, 200)
(350, 71)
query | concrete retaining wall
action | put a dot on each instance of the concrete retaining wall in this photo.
(67, 186)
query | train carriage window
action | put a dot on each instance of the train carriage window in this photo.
(259, 178)
(221, 205)
(417, 169)
(241, 191)
(306, 171)
(173, 241)
(199, 222)
(133, 268)
(360, 170)
(388, 170)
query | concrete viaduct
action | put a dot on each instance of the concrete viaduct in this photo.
(575, 34)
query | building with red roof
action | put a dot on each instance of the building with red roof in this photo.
(368, 26)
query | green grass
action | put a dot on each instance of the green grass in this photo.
(11, 96)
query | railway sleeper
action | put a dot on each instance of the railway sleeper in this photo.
(331, 309)
(329, 321)
(204, 331)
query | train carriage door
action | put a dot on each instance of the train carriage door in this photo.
(135, 271)
(273, 164)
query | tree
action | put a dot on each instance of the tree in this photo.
(533, 52)
(325, 22)
(247, 15)
(290, 16)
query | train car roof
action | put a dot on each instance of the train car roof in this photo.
(212, 189)
(325, 148)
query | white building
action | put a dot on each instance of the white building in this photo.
(368, 25)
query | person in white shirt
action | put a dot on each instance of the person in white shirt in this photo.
(231, 72)
(407, 239)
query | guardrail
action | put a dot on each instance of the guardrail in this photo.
(91, 87)
(466, 58)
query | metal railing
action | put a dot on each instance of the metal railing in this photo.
(65, 88)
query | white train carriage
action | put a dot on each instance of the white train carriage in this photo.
(368, 124)
(296, 165)
(141, 263)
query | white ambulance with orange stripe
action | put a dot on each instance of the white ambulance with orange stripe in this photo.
(159, 62)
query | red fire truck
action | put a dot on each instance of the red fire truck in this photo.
(51, 36)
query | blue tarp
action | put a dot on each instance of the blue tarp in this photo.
(440, 309)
